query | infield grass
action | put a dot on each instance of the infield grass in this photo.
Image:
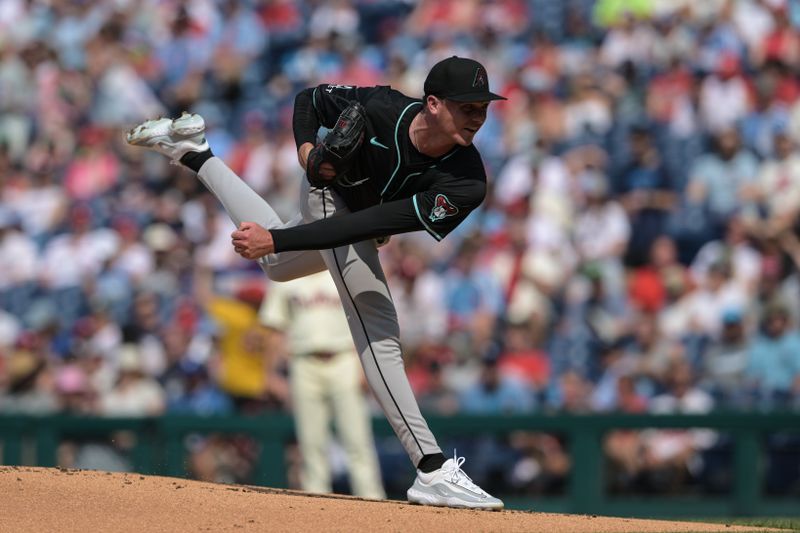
(791, 524)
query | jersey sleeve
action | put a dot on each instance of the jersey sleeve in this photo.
(373, 222)
(322, 105)
(447, 204)
(438, 211)
(274, 311)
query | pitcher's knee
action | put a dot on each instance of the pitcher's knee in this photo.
(380, 308)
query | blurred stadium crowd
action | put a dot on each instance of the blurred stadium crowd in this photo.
(638, 251)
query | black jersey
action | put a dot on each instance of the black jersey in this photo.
(394, 188)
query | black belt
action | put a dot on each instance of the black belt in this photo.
(322, 355)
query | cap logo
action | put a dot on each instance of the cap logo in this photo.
(480, 78)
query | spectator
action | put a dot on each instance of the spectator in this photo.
(417, 292)
(778, 280)
(335, 18)
(496, 393)
(522, 356)
(602, 230)
(733, 249)
(134, 394)
(725, 362)
(132, 257)
(78, 397)
(753, 21)
(789, 277)
(625, 448)
(669, 98)
(543, 467)
(71, 259)
(30, 387)
(773, 367)
(778, 190)
(654, 354)
(247, 369)
(93, 172)
(74, 392)
(571, 393)
(646, 194)
(587, 114)
(610, 394)
(438, 397)
(171, 262)
(529, 277)
(780, 44)
(254, 158)
(594, 319)
(10, 329)
(718, 294)
(648, 285)
(631, 40)
(18, 264)
(673, 456)
(144, 329)
(767, 117)
(191, 391)
(724, 94)
(38, 200)
(473, 300)
(724, 180)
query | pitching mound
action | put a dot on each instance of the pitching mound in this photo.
(42, 499)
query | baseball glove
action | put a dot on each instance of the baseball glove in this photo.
(339, 147)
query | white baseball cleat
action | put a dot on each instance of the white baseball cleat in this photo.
(173, 138)
(450, 487)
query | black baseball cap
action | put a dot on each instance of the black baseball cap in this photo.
(459, 79)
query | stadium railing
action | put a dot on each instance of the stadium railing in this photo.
(160, 449)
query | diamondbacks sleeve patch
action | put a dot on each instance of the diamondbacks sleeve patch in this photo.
(440, 211)
(442, 207)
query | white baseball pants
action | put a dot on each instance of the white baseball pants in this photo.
(325, 390)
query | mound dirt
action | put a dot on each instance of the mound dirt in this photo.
(43, 499)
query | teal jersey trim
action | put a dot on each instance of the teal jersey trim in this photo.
(422, 219)
(397, 145)
(314, 99)
(451, 153)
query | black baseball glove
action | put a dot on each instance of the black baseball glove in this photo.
(339, 147)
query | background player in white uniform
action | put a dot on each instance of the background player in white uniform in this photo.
(326, 382)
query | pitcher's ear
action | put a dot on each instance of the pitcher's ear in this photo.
(432, 103)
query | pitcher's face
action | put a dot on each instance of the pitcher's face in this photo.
(460, 121)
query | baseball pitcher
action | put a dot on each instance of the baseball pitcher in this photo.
(389, 164)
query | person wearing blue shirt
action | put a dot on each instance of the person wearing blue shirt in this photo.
(495, 393)
(774, 359)
(724, 181)
(190, 391)
(647, 194)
